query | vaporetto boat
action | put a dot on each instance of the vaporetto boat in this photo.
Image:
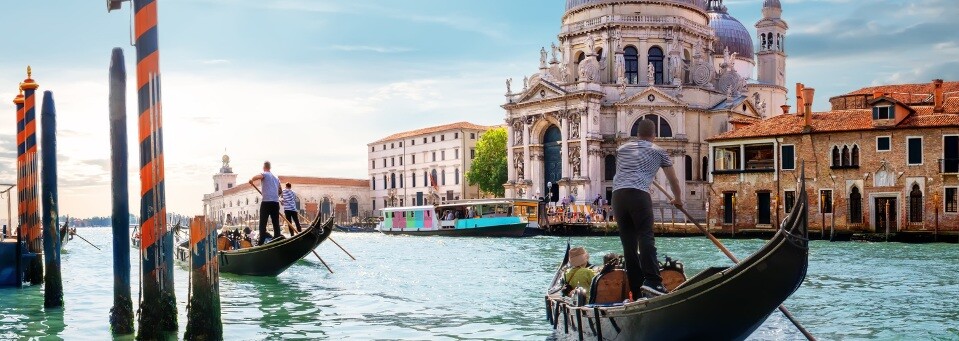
(490, 218)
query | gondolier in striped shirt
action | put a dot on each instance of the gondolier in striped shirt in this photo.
(289, 207)
(270, 203)
(637, 163)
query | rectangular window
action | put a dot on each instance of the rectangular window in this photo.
(883, 143)
(789, 199)
(457, 153)
(373, 164)
(424, 140)
(434, 138)
(401, 160)
(372, 148)
(952, 199)
(384, 146)
(392, 146)
(401, 143)
(914, 147)
(392, 161)
(472, 153)
(434, 156)
(414, 159)
(412, 142)
(443, 137)
(950, 154)
(883, 113)
(727, 158)
(472, 136)
(384, 162)
(788, 156)
(413, 177)
(443, 155)
(825, 201)
(760, 157)
(456, 135)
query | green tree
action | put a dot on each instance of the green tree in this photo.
(489, 167)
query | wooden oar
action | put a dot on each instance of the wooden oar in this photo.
(334, 242)
(88, 242)
(729, 254)
(288, 222)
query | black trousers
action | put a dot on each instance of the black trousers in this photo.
(633, 209)
(291, 216)
(271, 210)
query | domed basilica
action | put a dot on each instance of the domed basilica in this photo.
(687, 65)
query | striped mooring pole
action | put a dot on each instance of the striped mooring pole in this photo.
(203, 311)
(121, 315)
(53, 283)
(30, 172)
(158, 312)
(21, 229)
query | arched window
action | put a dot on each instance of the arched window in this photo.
(686, 61)
(915, 204)
(393, 180)
(610, 163)
(689, 168)
(705, 167)
(433, 179)
(845, 156)
(579, 59)
(663, 129)
(762, 37)
(385, 184)
(426, 179)
(835, 157)
(769, 40)
(656, 58)
(855, 156)
(631, 56)
(855, 206)
(354, 208)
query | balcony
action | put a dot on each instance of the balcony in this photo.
(948, 166)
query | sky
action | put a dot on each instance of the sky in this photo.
(307, 84)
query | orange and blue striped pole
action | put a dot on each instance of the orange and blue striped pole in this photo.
(203, 316)
(21, 178)
(31, 171)
(158, 312)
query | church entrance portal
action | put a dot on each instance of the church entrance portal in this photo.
(552, 162)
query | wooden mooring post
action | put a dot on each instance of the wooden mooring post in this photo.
(53, 281)
(121, 314)
(203, 309)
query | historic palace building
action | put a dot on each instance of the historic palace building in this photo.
(424, 166)
(885, 158)
(687, 65)
(239, 203)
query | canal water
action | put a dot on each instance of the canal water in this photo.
(434, 288)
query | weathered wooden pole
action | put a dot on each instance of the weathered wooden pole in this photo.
(158, 309)
(31, 215)
(53, 284)
(203, 311)
(21, 178)
(121, 315)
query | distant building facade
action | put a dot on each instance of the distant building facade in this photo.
(423, 166)
(883, 157)
(232, 203)
(687, 65)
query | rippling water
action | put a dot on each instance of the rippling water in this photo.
(476, 288)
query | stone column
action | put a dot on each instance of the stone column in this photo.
(643, 60)
(527, 133)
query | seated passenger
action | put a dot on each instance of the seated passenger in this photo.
(580, 275)
(609, 259)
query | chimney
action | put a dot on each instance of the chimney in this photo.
(807, 95)
(785, 108)
(876, 94)
(937, 96)
(799, 100)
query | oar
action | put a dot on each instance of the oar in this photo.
(337, 244)
(288, 222)
(88, 242)
(729, 254)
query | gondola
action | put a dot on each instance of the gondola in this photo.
(270, 259)
(66, 235)
(720, 303)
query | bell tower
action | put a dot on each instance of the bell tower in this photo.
(225, 179)
(771, 30)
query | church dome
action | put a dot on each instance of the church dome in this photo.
(572, 4)
(730, 33)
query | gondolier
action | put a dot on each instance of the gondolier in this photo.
(637, 163)
(270, 203)
(289, 207)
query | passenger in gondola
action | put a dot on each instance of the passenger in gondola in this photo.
(637, 163)
(289, 207)
(581, 274)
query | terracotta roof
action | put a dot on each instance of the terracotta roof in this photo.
(431, 130)
(305, 180)
(908, 93)
(837, 121)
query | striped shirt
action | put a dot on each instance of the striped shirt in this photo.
(637, 164)
(271, 187)
(289, 200)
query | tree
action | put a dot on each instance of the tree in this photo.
(489, 167)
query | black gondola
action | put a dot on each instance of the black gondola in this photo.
(717, 304)
(272, 258)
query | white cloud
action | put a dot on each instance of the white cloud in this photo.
(368, 48)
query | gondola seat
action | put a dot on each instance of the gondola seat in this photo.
(609, 287)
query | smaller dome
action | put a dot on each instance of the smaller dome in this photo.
(226, 158)
(772, 3)
(730, 33)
